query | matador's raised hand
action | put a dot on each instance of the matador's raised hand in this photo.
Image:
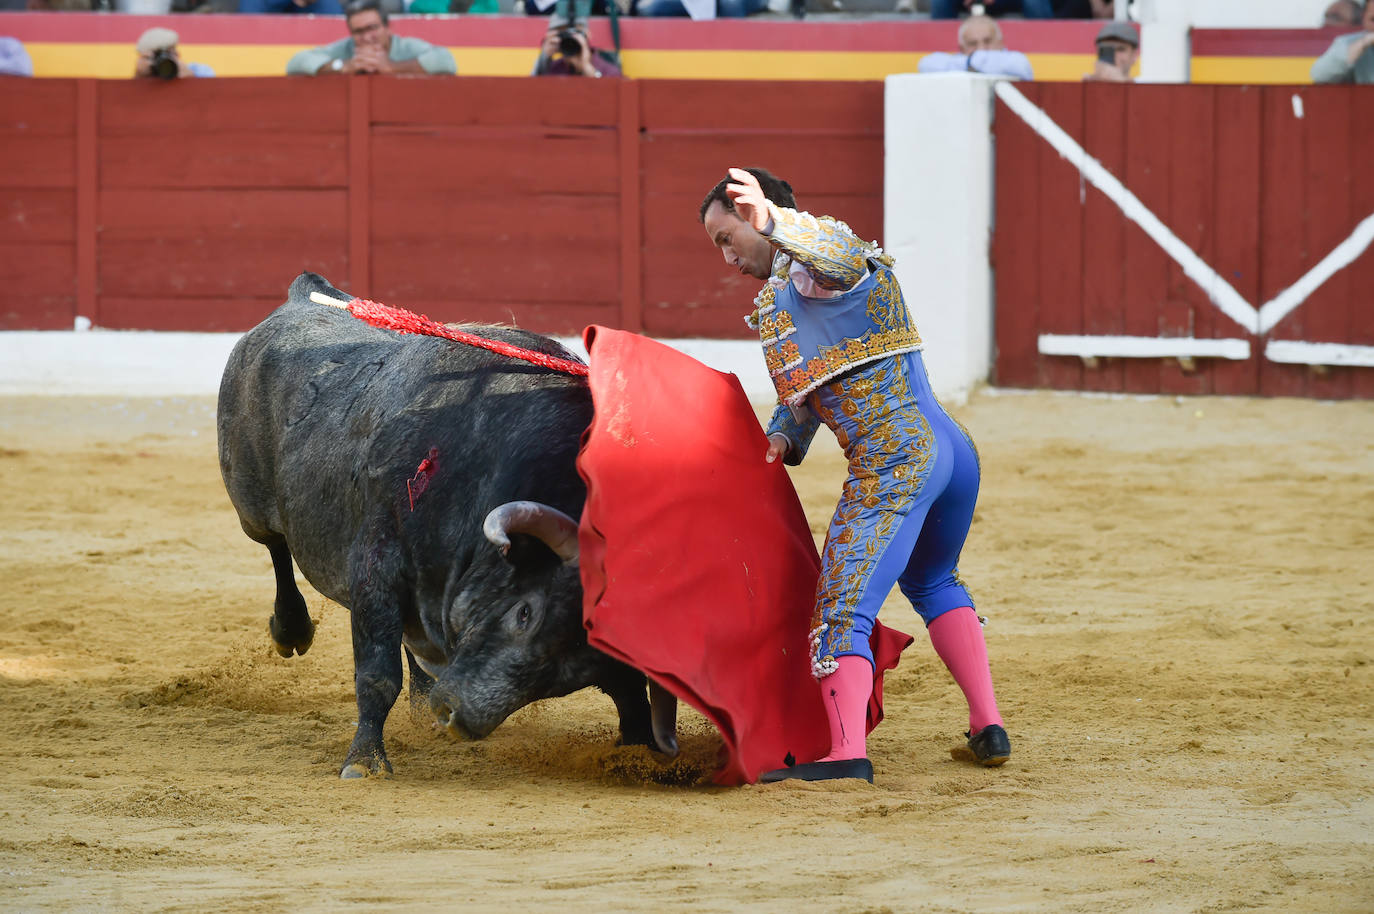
(750, 203)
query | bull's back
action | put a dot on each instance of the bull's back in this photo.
(323, 417)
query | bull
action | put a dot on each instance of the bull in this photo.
(430, 487)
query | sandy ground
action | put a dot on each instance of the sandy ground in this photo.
(1180, 598)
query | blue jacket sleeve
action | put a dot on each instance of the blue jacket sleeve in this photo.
(798, 434)
(835, 257)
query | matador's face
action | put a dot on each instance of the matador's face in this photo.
(743, 248)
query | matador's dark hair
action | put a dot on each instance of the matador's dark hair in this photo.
(774, 188)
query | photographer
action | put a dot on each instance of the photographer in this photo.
(158, 57)
(567, 51)
(1118, 49)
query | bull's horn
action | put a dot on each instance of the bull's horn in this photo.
(556, 529)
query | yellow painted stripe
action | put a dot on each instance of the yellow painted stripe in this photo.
(1253, 70)
(116, 61)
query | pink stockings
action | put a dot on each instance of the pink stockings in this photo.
(958, 640)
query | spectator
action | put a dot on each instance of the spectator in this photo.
(371, 48)
(981, 50)
(159, 58)
(1085, 9)
(1031, 9)
(1350, 59)
(699, 9)
(568, 51)
(1118, 48)
(1342, 14)
(578, 9)
(14, 60)
(315, 7)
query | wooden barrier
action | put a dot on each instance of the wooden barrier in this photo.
(1266, 186)
(551, 203)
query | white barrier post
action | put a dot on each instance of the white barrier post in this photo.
(937, 218)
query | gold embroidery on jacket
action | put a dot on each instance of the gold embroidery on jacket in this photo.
(889, 447)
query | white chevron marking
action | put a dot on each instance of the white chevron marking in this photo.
(1258, 321)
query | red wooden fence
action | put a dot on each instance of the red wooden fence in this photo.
(548, 202)
(1262, 183)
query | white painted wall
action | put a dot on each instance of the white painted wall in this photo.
(141, 363)
(937, 223)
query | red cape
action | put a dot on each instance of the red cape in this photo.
(697, 562)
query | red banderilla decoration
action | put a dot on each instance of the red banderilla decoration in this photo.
(416, 485)
(403, 321)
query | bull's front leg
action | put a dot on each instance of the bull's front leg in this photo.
(376, 622)
(642, 723)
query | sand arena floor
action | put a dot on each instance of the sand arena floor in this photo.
(1180, 598)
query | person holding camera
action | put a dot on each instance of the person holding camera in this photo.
(371, 48)
(567, 51)
(158, 57)
(1118, 49)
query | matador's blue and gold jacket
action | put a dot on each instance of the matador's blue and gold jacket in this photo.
(808, 341)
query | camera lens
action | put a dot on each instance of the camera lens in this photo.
(569, 45)
(163, 66)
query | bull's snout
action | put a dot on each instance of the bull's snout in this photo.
(444, 702)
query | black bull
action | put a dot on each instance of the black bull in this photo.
(430, 487)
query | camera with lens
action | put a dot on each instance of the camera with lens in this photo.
(569, 43)
(164, 64)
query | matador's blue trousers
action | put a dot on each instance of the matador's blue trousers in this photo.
(906, 506)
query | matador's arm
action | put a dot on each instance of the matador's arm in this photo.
(829, 250)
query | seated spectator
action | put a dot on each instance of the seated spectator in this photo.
(568, 51)
(579, 9)
(14, 60)
(1350, 59)
(471, 7)
(699, 9)
(1118, 48)
(1342, 14)
(315, 7)
(1085, 9)
(1031, 9)
(159, 58)
(981, 50)
(371, 48)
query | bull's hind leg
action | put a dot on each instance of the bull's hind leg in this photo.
(291, 627)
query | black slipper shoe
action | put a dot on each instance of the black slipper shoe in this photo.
(860, 768)
(990, 745)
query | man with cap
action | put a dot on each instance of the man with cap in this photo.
(1118, 49)
(158, 57)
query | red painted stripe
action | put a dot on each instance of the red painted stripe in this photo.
(519, 31)
(1263, 42)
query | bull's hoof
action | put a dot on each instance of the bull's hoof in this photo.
(366, 768)
(290, 642)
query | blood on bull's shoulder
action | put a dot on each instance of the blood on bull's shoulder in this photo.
(430, 486)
